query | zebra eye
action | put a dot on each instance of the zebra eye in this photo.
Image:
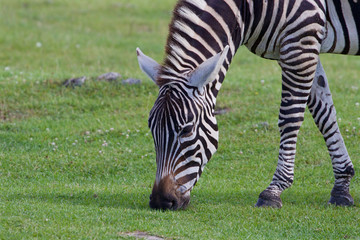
(186, 131)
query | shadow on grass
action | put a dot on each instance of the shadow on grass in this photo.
(217, 198)
(138, 201)
(203, 198)
(246, 198)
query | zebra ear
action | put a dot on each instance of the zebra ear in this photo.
(207, 71)
(148, 65)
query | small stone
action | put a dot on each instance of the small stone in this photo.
(131, 81)
(74, 82)
(111, 76)
(264, 124)
(221, 111)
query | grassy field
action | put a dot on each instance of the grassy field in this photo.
(79, 163)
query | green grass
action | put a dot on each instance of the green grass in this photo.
(59, 180)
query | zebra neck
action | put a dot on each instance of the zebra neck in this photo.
(199, 30)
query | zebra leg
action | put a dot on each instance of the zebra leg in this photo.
(298, 72)
(321, 106)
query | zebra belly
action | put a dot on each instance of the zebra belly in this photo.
(342, 28)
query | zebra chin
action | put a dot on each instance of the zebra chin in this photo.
(166, 195)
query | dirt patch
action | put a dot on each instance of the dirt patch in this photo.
(142, 235)
(9, 116)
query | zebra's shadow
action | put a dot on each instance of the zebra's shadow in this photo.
(245, 197)
(126, 200)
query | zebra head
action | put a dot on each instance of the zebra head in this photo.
(183, 127)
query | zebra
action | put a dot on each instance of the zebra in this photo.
(204, 35)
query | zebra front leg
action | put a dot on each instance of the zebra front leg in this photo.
(321, 106)
(298, 71)
(293, 104)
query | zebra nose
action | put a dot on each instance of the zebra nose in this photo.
(163, 203)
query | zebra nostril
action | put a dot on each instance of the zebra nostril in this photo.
(174, 205)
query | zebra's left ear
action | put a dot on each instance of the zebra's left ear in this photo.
(148, 65)
(207, 71)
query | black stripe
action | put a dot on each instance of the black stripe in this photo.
(341, 18)
(265, 26)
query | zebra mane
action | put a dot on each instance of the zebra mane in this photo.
(183, 50)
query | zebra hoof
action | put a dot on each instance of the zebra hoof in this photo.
(269, 199)
(343, 199)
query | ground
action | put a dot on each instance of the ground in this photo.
(79, 163)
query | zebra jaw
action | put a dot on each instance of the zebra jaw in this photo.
(205, 73)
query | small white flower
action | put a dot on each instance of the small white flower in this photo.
(53, 143)
(76, 141)
(106, 131)
(7, 69)
(99, 131)
(54, 149)
(87, 132)
(38, 44)
(105, 144)
(46, 219)
(262, 81)
(357, 104)
(127, 135)
(111, 129)
(100, 152)
(56, 139)
(31, 139)
(74, 144)
(47, 129)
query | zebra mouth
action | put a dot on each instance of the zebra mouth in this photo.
(168, 195)
(169, 203)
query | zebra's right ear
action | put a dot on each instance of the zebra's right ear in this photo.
(207, 71)
(148, 65)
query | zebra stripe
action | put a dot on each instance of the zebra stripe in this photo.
(292, 32)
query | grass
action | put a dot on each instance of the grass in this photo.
(79, 163)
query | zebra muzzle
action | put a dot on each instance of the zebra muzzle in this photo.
(166, 195)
